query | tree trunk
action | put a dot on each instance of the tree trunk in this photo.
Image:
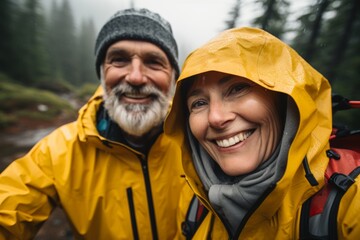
(268, 14)
(315, 30)
(342, 45)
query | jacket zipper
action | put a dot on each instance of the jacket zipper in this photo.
(132, 213)
(150, 201)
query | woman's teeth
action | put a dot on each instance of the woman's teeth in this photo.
(233, 140)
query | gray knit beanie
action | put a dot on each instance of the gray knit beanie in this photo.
(137, 24)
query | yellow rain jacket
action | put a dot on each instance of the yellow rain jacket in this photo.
(107, 190)
(268, 62)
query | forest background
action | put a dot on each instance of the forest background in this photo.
(46, 58)
(47, 63)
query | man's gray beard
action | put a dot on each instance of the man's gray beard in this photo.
(137, 119)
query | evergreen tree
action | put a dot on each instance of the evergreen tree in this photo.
(61, 43)
(85, 53)
(68, 31)
(8, 10)
(348, 18)
(234, 15)
(329, 38)
(30, 56)
(274, 17)
(53, 42)
(307, 40)
(342, 57)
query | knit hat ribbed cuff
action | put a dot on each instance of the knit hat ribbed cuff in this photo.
(131, 24)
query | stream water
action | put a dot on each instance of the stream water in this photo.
(13, 146)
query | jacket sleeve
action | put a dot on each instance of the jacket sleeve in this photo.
(27, 194)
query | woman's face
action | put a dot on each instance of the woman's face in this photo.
(235, 120)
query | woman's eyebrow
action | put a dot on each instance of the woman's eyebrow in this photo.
(194, 92)
(198, 91)
(225, 79)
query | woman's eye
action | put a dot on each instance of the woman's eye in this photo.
(242, 89)
(196, 104)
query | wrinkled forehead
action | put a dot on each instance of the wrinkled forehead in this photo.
(207, 78)
(133, 46)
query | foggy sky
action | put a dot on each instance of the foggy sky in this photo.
(193, 21)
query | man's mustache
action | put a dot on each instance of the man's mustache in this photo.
(124, 89)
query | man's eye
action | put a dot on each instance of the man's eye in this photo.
(118, 60)
(154, 63)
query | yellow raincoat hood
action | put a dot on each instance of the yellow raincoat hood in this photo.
(262, 58)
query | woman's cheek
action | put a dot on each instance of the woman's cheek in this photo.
(196, 125)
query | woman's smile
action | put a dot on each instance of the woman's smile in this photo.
(229, 142)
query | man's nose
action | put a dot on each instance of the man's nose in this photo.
(136, 75)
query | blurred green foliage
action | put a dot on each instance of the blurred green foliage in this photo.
(19, 102)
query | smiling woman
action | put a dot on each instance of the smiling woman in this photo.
(254, 127)
(237, 139)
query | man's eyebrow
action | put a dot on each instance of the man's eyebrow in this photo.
(156, 55)
(116, 51)
(148, 54)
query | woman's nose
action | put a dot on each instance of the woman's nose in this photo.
(219, 115)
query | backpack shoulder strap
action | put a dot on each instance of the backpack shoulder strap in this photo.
(195, 215)
(342, 182)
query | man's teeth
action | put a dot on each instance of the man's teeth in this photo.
(130, 95)
(233, 140)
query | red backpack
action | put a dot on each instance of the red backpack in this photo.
(319, 213)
